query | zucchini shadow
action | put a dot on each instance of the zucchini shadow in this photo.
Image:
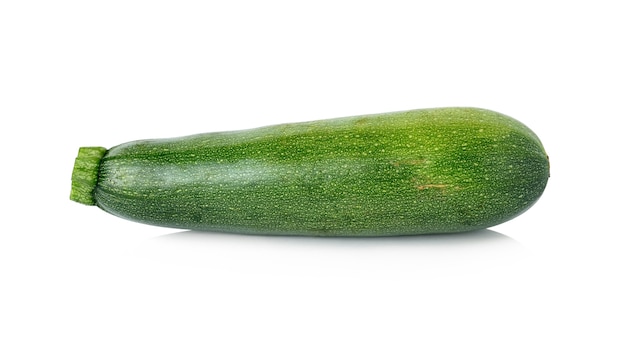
(478, 237)
(332, 257)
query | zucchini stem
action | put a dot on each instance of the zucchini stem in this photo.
(85, 174)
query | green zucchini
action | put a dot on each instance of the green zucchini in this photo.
(403, 173)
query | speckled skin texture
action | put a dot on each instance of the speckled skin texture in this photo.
(402, 173)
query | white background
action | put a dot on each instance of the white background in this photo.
(77, 281)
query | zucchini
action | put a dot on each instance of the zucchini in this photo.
(414, 172)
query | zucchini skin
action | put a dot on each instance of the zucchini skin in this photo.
(404, 173)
